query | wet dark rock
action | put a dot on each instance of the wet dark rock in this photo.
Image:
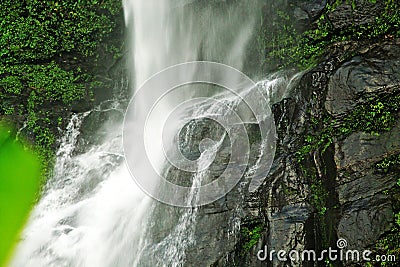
(364, 221)
(313, 8)
(358, 206)
(215, 228)
(360, 147)
(358, 79)
(106, 115)
(357, 12)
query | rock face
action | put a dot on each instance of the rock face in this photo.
(346, 15)
(360, 77)
(358, 209)
(335, 191)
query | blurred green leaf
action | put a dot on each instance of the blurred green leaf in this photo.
(19, 187)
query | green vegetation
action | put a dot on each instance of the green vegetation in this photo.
(36, 30)
(292, 48)
(319, 197)
(389, 245)
(46, 50)
(286, 45)
(250, 234)
(377, 115)
(390, 165)
(19, 188)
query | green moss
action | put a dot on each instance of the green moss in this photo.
(390, 164)
(319, 197)
(250, 235)
(11, 85)
(376, 116)
(43, 46)
(389, 245)
(318, 194)
(39, 30)
(48, 81)
(253, 236)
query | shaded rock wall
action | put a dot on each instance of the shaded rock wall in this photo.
(314, 196)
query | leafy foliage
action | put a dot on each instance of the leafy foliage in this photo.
(293, 48)
(319, 197)
(390, 164)
(49, 82)
(251, 235)
(376, 116)
(35, 38)
(39, 30)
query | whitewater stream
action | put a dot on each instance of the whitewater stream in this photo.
(92, 213)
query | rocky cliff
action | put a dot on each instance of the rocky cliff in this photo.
(336, 170)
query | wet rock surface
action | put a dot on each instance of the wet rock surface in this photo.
(358, 78)
(214, 226)
(346, 15)
(358, 209)
(357, 205)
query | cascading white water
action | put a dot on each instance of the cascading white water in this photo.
(92, 213)
(164, 33)
(91, 210)
(169, 32)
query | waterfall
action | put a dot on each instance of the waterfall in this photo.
(91, 210)
(162, 34)
(92, 213)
